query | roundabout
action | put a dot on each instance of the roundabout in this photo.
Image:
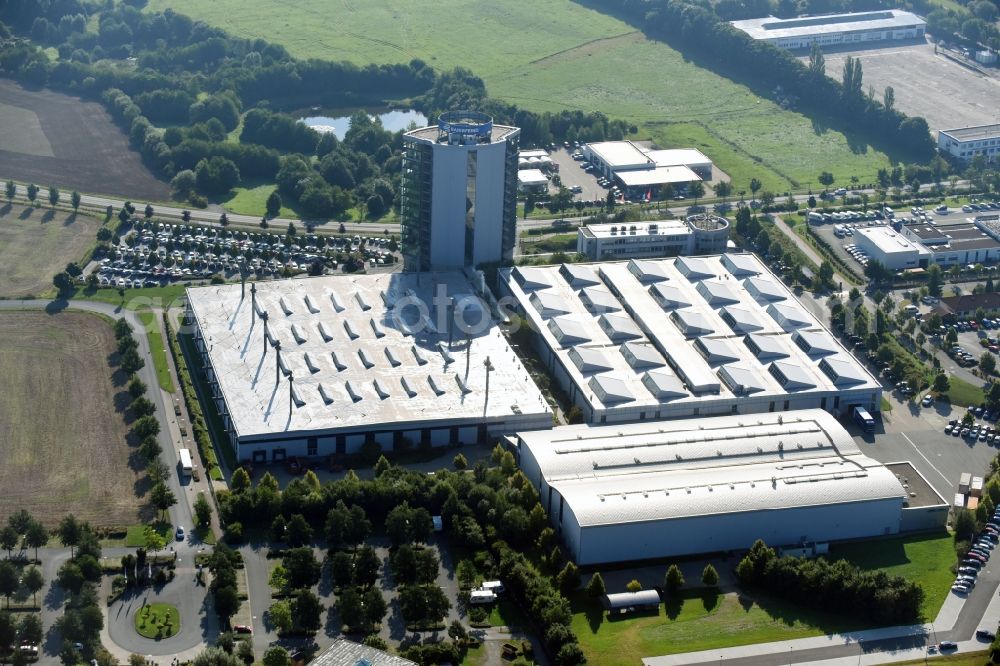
(157, 621)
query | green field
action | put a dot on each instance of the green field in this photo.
(698, 621)
(962, 394)
(556, 54)
(158, 349)
(924, 558)
(253, 201)
(157, 621)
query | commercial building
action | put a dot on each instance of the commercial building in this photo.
(698, 234)
(967, 142)
(964, 243)
(641, 171)
(966, 305)
(675, 488)
(532, 179)
(857, 28)
(684, 337)
(892, 248)
(459, 193)
(318, 366)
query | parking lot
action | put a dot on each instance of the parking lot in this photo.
(572, 174)
(857, 219)
(155, 254)
(927, 84)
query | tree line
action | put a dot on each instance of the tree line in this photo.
(844, 587)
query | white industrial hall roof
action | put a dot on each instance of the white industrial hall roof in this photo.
(772, 28)
(681, 468)
(719, 323)
(363, 351)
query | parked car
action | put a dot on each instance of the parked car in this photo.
(985, 635)
(242, 629)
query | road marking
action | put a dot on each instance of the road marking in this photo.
(920, 453)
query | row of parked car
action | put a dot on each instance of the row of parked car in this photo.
(857, 254)
(975, 432)
(978, 556)
(973, 207)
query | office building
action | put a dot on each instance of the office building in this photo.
(459, 193)
(642, 172)
(698, 234)
(967, 142)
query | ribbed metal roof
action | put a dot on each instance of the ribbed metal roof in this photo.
(689, 467)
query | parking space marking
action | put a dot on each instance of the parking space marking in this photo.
(921, 454)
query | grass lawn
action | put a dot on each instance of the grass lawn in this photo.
(698, 621)
(476, 656)
(135, 536)
(559, 54)
(886, 405)
(506, 614)
(555, 243)
(962, 393)
(37, 243)
(157, 621)
(158, 349)
(923, 558)
(253, 201)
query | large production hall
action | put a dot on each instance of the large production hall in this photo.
(311, 367)
(684, 337)
(673, 488)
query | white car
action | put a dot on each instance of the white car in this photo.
(927, 401)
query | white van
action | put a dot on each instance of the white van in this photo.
(911, 309)
(494, 586)
(482, 597)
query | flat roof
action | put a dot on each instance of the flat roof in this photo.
(657, 228)
(431, 134)
(964, 236)
(695, 313)
(619, 154)
(888, 241)
(344, 652)
(680, 468)
(657, 176)
(771, 28)
(973, 133)
(679, 157)
(365, 351)
(918, 491)
(531, 177)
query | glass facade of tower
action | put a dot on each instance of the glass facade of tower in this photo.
(510, 200)
(415, 211)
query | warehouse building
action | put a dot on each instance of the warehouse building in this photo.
(892, 248)
(859, 29)
(459, 193)
(641, 171)
(681, 487)
(318, 366)
(698, 234)
(967, 142)
(684, 337)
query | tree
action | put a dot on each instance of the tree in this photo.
(696, 190)
(74, 200)
(142, 406)
(10, 190)
(153, 540)
(570, 654)
(306, 610)
(460, 462)
(709, 576)
(162, 497)
(33, 581)
(227, 601)
(62, 282)
(239, 481)
(374, 606)
(36, 536)
(964, 524)
(934, 280)
(280, 615)
(456, 631)
(32, 191)
(303, 569)
(633, 585)
(826, 273)
(817, 62)
(30, 630)
(202, 510)
(69, 578)
(568, 579)
(755, 186)
(275, 656)
(69, 532)
(297, 531)
(988, 363)
(674, 580)
(216, 175)
(595, 588)
(8, 580)
(273, 205)
(215, 656)
(8, 539)
(723, 189)
(350, 607)
(366, 566)
(184, 182)
(54, 195)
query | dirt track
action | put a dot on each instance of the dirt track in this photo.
(63, 447)
(54, 139)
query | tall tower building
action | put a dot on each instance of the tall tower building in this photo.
(459, 193)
